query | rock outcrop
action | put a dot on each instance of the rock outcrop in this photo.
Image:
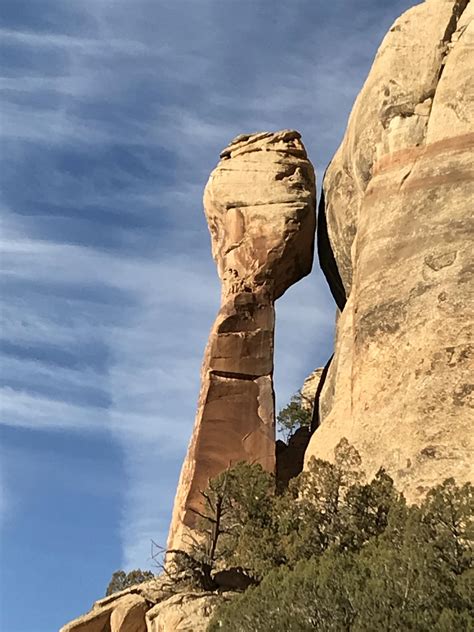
(260, 207)
(184, 612)
(149, 607)
(123, 611)
(397, 223)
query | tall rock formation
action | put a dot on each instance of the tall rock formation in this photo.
(260, 207)
(395, 237)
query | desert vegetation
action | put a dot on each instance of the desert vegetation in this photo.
(335, 551)
(332, 552)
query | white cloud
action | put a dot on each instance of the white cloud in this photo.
(89, 47)
(20, 408)
(152, 372)
(42, 373)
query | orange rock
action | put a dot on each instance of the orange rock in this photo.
(121, 612)
(129, 614)
(260, 207)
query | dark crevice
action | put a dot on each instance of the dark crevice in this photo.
(290, 457)
(327, 261)
(458, 9)
(287, 173)
(316, 420)
(235, 376)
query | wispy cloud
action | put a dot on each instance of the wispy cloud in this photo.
(25, 410)
(89, 47)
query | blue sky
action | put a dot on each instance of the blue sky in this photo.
(113, 115)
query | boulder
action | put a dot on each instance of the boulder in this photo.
(123, 614)
(129, 614)
(123, 611)
(183, 612)
(93, 621)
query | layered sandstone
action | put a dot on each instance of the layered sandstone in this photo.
(260, 207)
(398, 253)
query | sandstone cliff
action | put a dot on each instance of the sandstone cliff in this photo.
(395, 236)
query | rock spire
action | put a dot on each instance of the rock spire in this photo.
(260, 208)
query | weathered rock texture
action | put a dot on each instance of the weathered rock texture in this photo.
(398, 210)
(149, 607)
(260, 207)
(310, 388)
(123, 611)
(184, 612)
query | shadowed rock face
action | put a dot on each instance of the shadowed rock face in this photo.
(399, 197)
(260, 207)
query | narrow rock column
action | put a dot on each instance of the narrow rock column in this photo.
(260, 207)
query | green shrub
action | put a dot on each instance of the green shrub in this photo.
(121, 580)
(293, 416)
(335, 553)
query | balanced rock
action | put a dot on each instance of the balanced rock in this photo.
(260, 207)
(396, 231)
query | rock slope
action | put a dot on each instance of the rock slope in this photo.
(260, 207)
(397, 234)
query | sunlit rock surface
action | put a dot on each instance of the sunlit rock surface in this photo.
(399, 208)
(260, 207)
